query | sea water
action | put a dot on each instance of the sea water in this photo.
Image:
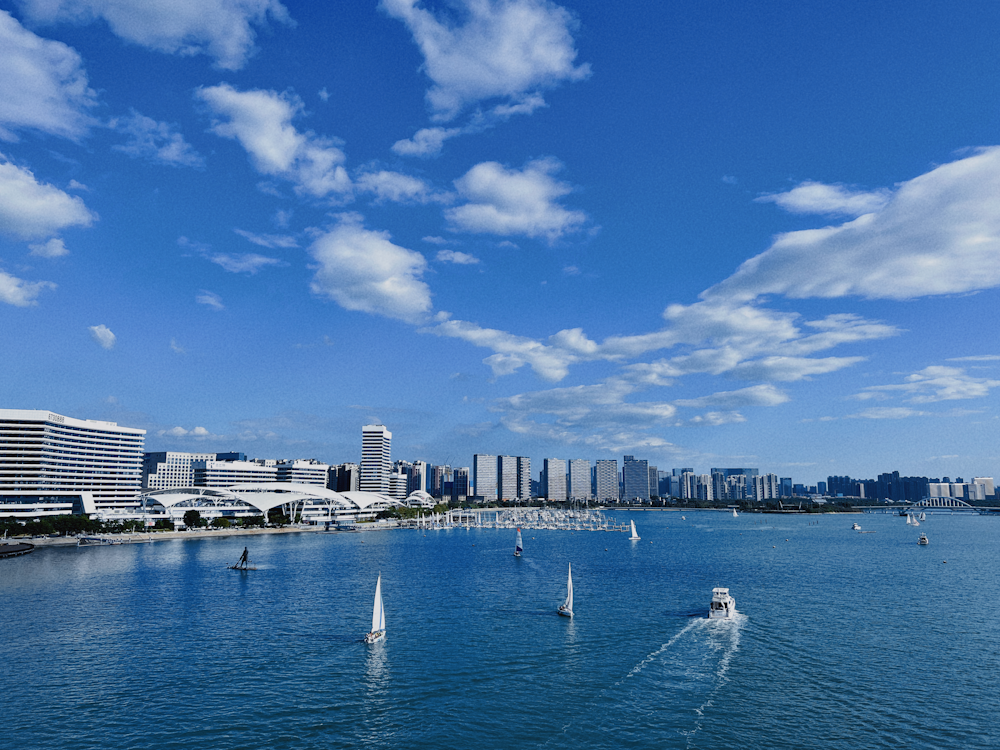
(843, 640)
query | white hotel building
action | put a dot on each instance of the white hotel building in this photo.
(51, 464)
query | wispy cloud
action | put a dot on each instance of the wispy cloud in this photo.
(456, 257)
(817, 198)
(155, 141)
(103, 336)
(935, 383)
(209, 299)
(248, 263)
(270, 241)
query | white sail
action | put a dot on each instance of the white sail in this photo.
(378, 612)
(635, 534)
(735, 515)
(568, 604)
(518, 547)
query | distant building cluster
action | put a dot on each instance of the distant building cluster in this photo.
(52, 464)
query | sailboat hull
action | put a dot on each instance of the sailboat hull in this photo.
(565, 612)
(375, 637)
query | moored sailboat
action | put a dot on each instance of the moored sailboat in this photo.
(566, 608)
(635, 535)
(518, 547)
(378, 616)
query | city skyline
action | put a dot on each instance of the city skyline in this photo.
(700, 235)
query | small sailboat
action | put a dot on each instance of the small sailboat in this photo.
(923, 516)
(566, 608)
(735, 514)
(518, 547)
(723, 606)
(635, 535)
(378, 616)
(244, 563)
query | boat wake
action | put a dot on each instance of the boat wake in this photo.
(677, 636)
(723, 638)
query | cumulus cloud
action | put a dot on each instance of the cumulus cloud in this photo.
(425, 142)
(21, 293)
(456, 257)
(155, 141)
(817, 198)
(180, 432)
(360, 269)
(209, 299)
(939, 233)
(30, 209)
(54, 248)
(506, 49)
(934, 383)
(103, 336)
(397, 187)
(43, 86)
(222, 29)
(249, 263)
(506, 201)
(262, 123)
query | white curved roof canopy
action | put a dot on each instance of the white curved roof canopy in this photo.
(267, 495)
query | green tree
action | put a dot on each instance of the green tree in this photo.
(192, 519)
(221, 523)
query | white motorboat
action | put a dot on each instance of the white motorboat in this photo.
(856, 527)
(518, 547)
(378, 616)
(723, 606)
(923, 539)
(566, 608)
(635, 535)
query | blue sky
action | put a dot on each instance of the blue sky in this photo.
(707, 234)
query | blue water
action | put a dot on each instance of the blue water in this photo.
(844, 640)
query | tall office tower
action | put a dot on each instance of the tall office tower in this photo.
(821, 488)
(785, 487)
(736, 486)
(766, 487)
(554, 478)
(398, 482)
(654, 482)
(418, 479)
(720, 490)
(704, 487)
(376, 461)
(344, 478)
(51, 464)
(579, 479)
(484, 476)
(460, 484)
(303, 471)
(164, 469)
(635, 480)
(438, 476)
(523, 478)
(507, 477)
(688, 480)
(220, 474)
(606, 480)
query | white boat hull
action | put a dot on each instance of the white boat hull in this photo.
(723, 606)
(375, 637)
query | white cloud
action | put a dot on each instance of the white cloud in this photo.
(262, 123)
(887, 412)
(788, 369)
(176, 348)
(210, 299)
(249, 263)
(35, 210)
(360, 269)
(270, 241)
(397, 187)
(43, 86)
(714, 419)
(425, 142)
(571, 270)
(21, 293)
(155, 141)
(54, 248)
(817, 198)
(222, 29)
(103, 336)
(976, 358)
(504, 201)
(935, 383)
(509, 49)
(757, 395)
(454, 256)
(198, 433)
(938, 234)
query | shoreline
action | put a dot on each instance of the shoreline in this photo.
(161, 536)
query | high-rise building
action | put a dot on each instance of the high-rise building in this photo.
(484, 476)
(524, 478)
(418, 479)
(220, 474)
(606, 480)
(635, 480)
(654, 482)
(52, 464)
(344, 478)
(554, 479)
(303, 471)
(507, 477)
(579, 479)
(460, 484)
(376, 460)
(165, 469)
(766, 487)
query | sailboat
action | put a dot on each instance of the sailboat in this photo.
(923, 516)
(518, 547)
(378, 616)
(566, 608)
(735, 515)
(635, 535)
